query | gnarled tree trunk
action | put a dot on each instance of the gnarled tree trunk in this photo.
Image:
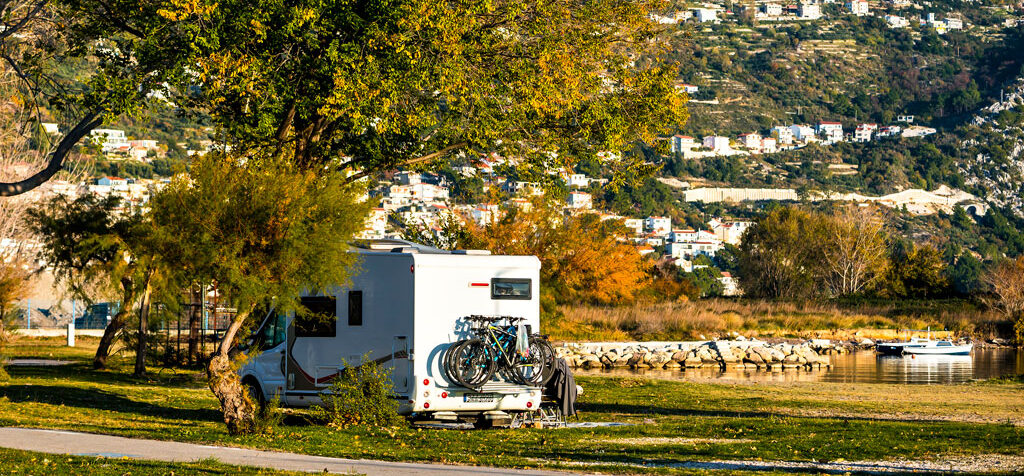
(116, 324)
(238, 408)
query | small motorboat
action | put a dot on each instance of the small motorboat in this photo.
(898, 348)
(940, 347)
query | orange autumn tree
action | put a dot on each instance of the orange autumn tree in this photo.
(583, 259)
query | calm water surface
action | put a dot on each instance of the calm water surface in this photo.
(863, 366)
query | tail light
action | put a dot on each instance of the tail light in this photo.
(426, 404)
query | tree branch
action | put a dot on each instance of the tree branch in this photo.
(416, 160)
(57, 157)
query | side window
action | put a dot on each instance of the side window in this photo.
(318, 319)
(280, 329)
(511, 288)
(355, 308)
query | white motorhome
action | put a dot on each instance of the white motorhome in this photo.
(403, 308)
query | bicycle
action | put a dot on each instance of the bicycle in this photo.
(494, 349)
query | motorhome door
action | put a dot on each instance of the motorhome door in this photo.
(401, 370)
(270, 362)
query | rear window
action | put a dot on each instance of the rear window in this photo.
(511, 288)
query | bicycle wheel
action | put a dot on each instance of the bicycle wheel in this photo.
(536, 367)
(446, 363)
(470, 363)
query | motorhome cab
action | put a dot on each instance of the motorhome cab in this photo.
(403, 309)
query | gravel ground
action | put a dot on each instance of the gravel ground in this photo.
(956, 464)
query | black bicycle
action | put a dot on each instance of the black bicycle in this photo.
(495, 348)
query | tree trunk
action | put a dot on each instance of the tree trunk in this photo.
(109, 334)
(116, 324)
(195, 314)
(140, 350)
(238, 408)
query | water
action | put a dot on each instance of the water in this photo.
(863, 366)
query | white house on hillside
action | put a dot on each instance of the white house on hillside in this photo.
(689, 236)
(751, 140)
(580, 201)
(832, 131)
(803, 132)
(705, 14)
(783, 134)
(658, 225)
(729, 231)
(717, 143)
(809, 11)
(682, 143)
(857, 7)
(863, 132)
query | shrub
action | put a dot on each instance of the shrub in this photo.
(360, 395)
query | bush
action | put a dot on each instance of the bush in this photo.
(360, 395)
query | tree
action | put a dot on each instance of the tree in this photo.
(916, 272)
(582, 258)
(1007, 282)
(14, 280)
(965, 274)
(853, 251)
(779, 255)
(38, 41)
(366, 86)
(262, 233)
(96, 248)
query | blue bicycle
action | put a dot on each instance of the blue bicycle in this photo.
(497, 346)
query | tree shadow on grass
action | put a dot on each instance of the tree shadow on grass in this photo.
(102, 400)
(656, 411)
(85, 373)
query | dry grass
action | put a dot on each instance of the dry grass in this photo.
(717, 317)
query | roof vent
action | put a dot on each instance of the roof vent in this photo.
(472, 252)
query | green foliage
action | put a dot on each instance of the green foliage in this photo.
(916, 272)
(96, 248)
(262, 232)
(360, 395)
(706, 280)
(778, 256)
(793, 253)
(370, 86)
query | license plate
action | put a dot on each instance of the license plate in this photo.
(480, 397)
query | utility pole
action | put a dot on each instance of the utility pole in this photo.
(28, 314)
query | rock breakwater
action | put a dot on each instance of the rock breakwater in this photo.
(681, 355)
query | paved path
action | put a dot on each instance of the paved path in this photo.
(87, 444)
(36, 362)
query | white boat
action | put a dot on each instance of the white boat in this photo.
(898, 348)
(940, 347)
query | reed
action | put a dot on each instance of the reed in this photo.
(710, 318)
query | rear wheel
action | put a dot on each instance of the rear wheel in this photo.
(469, 363)
(536, 367)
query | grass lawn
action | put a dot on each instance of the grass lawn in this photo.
(670, 421)
(30, 462)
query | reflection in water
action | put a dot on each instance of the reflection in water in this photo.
(865, 366)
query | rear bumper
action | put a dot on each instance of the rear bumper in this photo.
(493, 396)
